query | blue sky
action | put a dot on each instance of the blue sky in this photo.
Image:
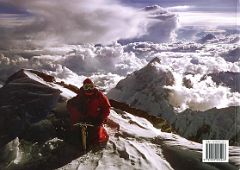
(9, 9)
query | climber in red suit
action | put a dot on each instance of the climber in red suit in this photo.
(90, 106)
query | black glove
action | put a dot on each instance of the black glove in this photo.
(97, 122)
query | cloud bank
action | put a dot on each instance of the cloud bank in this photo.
(107, 64)
(72, 22)
(50, 23)
(116, 61)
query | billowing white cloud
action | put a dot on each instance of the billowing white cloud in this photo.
(108, 64)
(162, 25)
(180, 8)
(71, 22)
(57, 22)
(208, 19)
(203, 95)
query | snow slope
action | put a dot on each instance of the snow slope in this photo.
(138, 145)
(134, 142)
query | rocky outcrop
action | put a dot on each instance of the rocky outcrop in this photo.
(232, 55)
(207, 38)
(34, 123)
(23, 102)
(222, 124)
(228, 79)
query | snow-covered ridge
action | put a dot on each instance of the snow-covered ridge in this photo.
(156, 121)
(68, 91)
(134, 142)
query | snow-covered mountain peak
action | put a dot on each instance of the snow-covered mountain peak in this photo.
(155, 60)
(160, 92)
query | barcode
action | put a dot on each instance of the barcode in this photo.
(215, 151)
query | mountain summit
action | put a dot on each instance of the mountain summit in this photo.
(154, 90)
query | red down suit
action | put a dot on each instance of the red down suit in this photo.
(93, 109)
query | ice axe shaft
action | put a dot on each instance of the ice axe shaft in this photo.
(84, 133)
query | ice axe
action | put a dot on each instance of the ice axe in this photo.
(84, 133)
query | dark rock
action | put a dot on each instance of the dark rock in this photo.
(207, 38)
(21, 74)
(156, 59)
(40, 131)
(228, 79)
(187, 83)
(210, 124)
(232, 55)
(194, 61)
(69, 86)
(23, 102)
(204, 130)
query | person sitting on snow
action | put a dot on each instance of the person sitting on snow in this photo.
(90, 106)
